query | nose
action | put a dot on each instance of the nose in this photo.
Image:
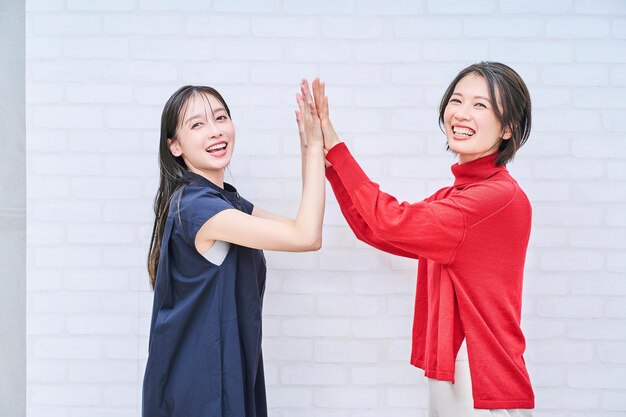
(213, 130)
(462, 113)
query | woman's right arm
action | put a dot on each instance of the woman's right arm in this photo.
(263, 230)
(359, 227)
(411, 230)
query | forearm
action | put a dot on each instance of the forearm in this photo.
(361, 229)
(309, 219)
(303, 158)
(432, 230)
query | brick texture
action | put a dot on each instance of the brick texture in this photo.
(338, 321)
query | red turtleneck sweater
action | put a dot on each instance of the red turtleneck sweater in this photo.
(471, 242)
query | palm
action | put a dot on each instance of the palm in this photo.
(308, 119)
(321, 104)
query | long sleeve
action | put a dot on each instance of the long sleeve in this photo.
(360, 228)
(432, 229)
(471, 239)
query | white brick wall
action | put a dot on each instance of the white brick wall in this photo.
(337, 322)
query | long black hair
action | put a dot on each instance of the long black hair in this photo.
(171, 168)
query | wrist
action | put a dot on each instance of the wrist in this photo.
(315, 147)
(331, 144)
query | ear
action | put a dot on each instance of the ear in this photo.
(174, 147)
(507, 133)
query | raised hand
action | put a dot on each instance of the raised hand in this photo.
(309, 126)
(321, 104)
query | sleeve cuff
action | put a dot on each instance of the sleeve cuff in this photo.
(346, 167)
(336, 152)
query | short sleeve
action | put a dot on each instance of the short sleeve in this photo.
(194, 208)
(247, 206)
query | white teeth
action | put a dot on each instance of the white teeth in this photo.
(463, 131)
(217, 147)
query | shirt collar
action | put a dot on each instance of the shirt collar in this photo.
(475, 171)
(229, 191)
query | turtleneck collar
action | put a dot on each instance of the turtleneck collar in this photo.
(475, 171)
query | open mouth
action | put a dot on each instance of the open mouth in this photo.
(463, 131)
(218, 147)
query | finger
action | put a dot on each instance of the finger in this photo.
(306, 92)
(300, 102)
(306, 109)
(318, 93)
(301, 131)
(312, 109)
(321, 101)
(303, 118)
(317, 87)
(299, 121)
(316, 90)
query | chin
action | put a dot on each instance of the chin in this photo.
(454, 147)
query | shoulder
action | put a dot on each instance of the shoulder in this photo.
(190, 199)
(193, 192)
(506, 189)
(248, 207)
(484, 198)
(499, 182)
(439, 194)
(497, 187)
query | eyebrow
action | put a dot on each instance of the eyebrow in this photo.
(200, 115)
(481, 97)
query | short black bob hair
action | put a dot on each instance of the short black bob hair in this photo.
(508, 90)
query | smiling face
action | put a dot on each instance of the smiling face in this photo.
(471, 125)
(205, 137)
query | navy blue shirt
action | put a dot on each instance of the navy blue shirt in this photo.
(205, 337)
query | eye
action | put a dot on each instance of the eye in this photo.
(221, 118)
(195, 125)
(481, 105)
(455, 100)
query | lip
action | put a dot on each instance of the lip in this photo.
(221, 152)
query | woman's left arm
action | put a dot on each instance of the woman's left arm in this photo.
(264, 214)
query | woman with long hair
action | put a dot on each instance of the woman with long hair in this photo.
(206, 263)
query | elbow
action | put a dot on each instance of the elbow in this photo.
(317, 245)
(306, 239)
(382, 231)
(312, 245)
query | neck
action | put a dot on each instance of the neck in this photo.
(465, 158)
(215, 176)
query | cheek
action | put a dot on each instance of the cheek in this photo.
(494, 124)
(447, 115)
(230, 132)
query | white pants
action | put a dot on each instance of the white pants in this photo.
(455, 400)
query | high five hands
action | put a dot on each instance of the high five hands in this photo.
(312, 114)
(309, 126)
(321, 104)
